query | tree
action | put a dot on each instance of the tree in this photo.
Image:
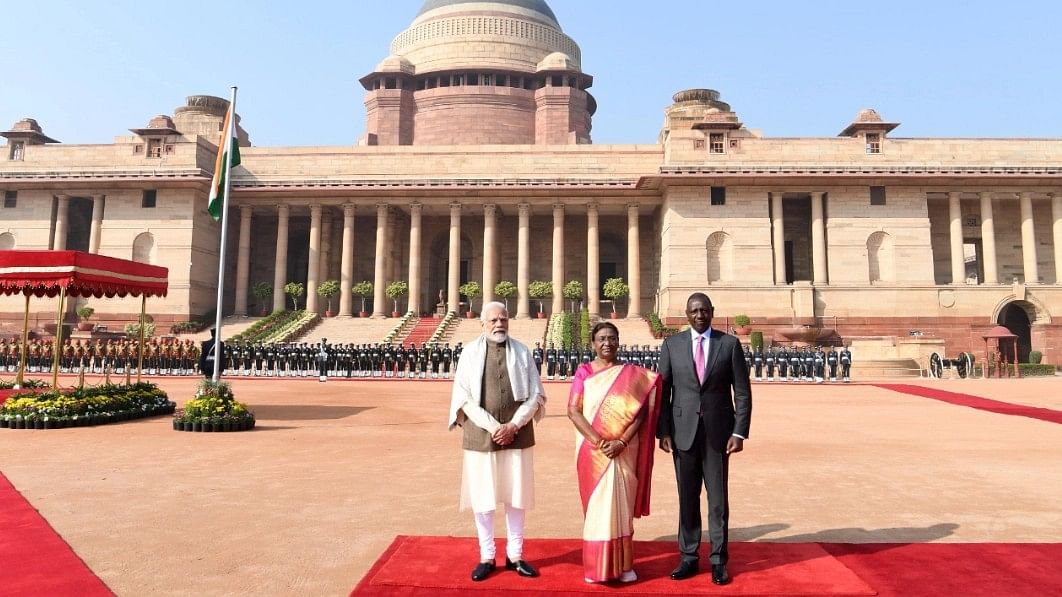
(573, 291)
(539, 290)
(262, 291)
(471, 290)
(396, 290)
(363, 290)
(85, 312)
(327, 290)
(615, 288)
(295, 290)
(505, 290)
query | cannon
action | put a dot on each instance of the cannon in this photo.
(963, 365)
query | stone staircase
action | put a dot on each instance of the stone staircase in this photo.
(634, 332)
(355, 330)
(420, 332)
(230, 326)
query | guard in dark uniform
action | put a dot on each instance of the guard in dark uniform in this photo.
(748, 357)
(436, 360)
(770, 358)
(794, 364)
(588, 354)
(447, 360)
(832, 359)
(846, 364)
(782, 362)
(388, 361)
(562, 363)
(424, 359)
(551, 362)
(208, 353)
(820, 365)
(322, 360)
(539, 356)
(809, 364)
(757, 362)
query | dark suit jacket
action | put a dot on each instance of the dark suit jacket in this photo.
(206, 366)
(685, 399)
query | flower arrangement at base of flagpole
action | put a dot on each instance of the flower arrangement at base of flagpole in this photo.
(213, 409)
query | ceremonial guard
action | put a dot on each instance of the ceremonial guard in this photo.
(425, 360)
(770, 357)
(551, 362)
(832, 359)
(782, 362)
(400, 361)
(457, 356)
(846, 364)
(757, 362)
(794, 364)
(539, 356)
(748, 357)
(820, 365)
(809, 364)
(447, 360)
(322, 360)
(436, 360)
(562, 363)
(387, 356)
(588, 354)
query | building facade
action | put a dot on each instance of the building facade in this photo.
(477, 164)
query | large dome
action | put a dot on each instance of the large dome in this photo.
(500, 35)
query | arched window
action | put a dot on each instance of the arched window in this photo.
(880, 258)
(720, 257)
(144, 248)
(7, 241)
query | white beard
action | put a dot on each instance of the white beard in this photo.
(498, 337)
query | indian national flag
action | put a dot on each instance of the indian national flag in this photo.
(228, 145)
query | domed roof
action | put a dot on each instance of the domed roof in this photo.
(538, 6)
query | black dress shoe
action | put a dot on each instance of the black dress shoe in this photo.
(522, 568)
(719, 574)
(686, 569)
(483, 570)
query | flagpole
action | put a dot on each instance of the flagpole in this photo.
(224, 232)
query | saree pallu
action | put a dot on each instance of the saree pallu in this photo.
(614, 491)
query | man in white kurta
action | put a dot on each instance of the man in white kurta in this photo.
(496, 394)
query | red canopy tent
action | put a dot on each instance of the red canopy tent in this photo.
(1003, 337)
(73, 273)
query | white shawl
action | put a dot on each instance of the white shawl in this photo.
(468, 378)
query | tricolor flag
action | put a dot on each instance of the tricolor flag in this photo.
(228, 145)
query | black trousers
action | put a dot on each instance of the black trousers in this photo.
(702, 465)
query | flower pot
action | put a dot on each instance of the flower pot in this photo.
(329, 314)
(20, 424)
(540, 315)
(743, 330)
(86, 326)
(188, 426)
(395, 314)
(615, 315)
(197, 426)
(38, 424)
(470, 315)
(177, 426)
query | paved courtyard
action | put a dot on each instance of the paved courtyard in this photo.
(306, 503)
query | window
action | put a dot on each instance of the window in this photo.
(18, 150)
(716, 143)
(487, 80)
(10, 198)
(877, 195)
(171, 149)
(138, 148)
(154, 148)
(718, 196)
(149, 198)
(556, 81)
(873, 142)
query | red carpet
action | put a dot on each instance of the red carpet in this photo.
(34, 559)
(995, 406)
(441, 566)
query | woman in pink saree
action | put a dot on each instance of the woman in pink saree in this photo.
(614, 408)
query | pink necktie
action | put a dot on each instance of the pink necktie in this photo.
(698, 359)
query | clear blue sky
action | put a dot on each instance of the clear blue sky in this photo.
(90, 69)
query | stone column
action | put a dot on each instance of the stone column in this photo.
(958, 264)
(280, 269)
(313, 262)
(97, 224)
(379, 297)
(62, 215)
(1056, 233)
(243, 260)
(1028, 240)
(558, 258)
(389, 257)
(634, 263)
(325, 268)
(988, 239)
(453, 276)
(346, 267)
(489, 268)
(414, 258)
(593, 262)
(523, 262)
(778, 237)
(818, 240)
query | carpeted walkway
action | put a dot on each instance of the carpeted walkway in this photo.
(995, 406)
(441, 566)
(34, 559)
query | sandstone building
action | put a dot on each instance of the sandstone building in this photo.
(477, 164)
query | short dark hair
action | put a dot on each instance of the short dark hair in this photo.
(699, 295)
(602, 325)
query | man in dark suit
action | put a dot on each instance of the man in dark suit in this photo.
(208, 354)
(704, 418)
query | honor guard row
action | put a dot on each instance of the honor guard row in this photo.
(561, 363)
(161, 356)
(799, 364)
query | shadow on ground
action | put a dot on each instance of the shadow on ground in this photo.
(841, 535)
(305, 412)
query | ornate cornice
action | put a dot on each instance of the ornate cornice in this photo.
(862, 170)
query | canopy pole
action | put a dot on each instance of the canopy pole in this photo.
(25, 344)
(140, 349)
(57, 349)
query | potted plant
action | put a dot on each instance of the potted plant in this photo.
(85, 313)
(505, 290)
(362, 290)
(396, 290)
(472, 291)
(613, 289)
(538, 290)
(327, 290)
(742, 324)
(295, 290)
(262, 291)
(573, 291)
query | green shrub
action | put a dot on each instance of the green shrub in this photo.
(362, 290)
(584, 327)
(742, 320)
(1036, 370)
(756, 340)
(1035, 357)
